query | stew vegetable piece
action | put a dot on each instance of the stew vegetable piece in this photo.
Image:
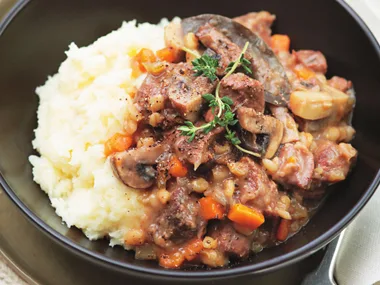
(237, 141)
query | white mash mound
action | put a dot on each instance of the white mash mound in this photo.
(82, 106)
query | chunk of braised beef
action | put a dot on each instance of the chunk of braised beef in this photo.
(332, 161)
(171, 118)
(314, 193)
(176, 94)
(226, 50)
(296, 166)
(264, 64)
(256, 189)
(229, 240)
(163, 165)
(199, 150)
(244, 91)
(340, 83)
(315, 60)
(144, 132)
(185, 91)
(152, 85)
(258, 22)
(225, 152)
(179, 221)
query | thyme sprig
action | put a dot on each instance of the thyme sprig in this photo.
(244, 63)
(206, 66)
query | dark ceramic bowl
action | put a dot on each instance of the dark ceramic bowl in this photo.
(35, 35)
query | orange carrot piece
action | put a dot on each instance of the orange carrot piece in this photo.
(155, 68)
(303, 72)
(283, 230)
(168, 54)
(175, 258)
(210, 209)
(118, 142)
(171, 260)
(176, 168)
(280, 43)
(192, 249)
(144, 55)
(246, 216)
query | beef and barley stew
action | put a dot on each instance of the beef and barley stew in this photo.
(230, 142)
(237, 140)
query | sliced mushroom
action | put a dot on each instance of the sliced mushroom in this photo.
(134, 167)
(256, 143)
(199, 150)
(257, 123)
(265, 65)
(290, 127)
(225, 50)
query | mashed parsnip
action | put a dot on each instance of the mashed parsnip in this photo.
(81, 106)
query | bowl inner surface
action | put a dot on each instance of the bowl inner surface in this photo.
(33, 45)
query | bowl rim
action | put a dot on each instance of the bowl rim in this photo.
(254, 268)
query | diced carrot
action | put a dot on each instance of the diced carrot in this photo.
(210, 209)
(154, 68)
(176, 168)
(175, 258)
(303, 72)
(246, 216)
(144, 55)
(171, 260)
(192, 249)
(118, 142)
(280, 43)
(168, 54)
(283, 230)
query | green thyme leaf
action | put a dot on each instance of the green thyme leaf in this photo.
(206, 66)
(208, 97)
(229, 66)
(227, 100)
(184, 128)
(192, 137)
(242, 61)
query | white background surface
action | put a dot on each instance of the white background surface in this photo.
(358, 261)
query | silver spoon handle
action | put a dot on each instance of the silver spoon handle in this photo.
(324, 274)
